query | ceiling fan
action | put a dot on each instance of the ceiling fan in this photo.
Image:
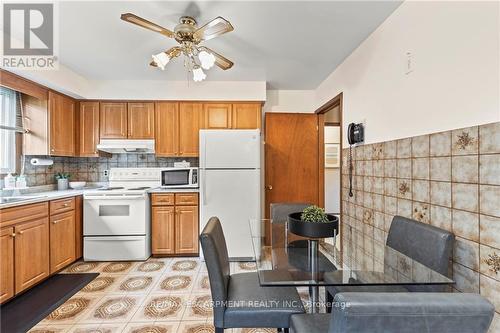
(189, 36)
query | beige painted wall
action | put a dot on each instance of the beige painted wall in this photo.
(454, 80)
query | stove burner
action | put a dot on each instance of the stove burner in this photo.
(139, 188)
(111, 188)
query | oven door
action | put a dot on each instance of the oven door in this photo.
(114, 215)
(176, 178)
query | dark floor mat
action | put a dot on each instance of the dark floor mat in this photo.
(28, 309)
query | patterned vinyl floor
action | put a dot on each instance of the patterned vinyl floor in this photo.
(161, 295)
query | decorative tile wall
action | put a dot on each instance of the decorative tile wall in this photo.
(450, 180)
(91, 169)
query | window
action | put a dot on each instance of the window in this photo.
(9, 126)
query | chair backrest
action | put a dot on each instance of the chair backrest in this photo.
(429, 245)
(213, 244)
(410, 313)
(280, 211)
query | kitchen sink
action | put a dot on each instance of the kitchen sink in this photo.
(5, 200)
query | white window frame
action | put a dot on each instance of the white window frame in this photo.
(8, 107)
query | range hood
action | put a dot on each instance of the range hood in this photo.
(124, 146)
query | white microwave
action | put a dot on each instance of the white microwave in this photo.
(179, 178)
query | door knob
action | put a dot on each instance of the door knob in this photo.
(269, 187)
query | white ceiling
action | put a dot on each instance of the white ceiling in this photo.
(289, 44)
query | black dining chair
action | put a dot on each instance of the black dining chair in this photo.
(400, 313)
(238, 299)
(427, 244)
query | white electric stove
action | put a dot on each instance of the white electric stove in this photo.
(116, 219)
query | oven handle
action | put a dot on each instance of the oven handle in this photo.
(118, 197)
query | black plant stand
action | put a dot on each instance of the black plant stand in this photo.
(314, 231)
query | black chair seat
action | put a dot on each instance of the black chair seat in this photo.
(250, 305)
(310, 323)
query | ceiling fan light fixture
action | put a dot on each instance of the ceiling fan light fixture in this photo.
(207, 59)
(161, 60)
(198, 74)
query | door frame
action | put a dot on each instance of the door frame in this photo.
(336, 101)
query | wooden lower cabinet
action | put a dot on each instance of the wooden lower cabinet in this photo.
(186, 229)
(31, 253)
(62, 240)
(163, 224)
(35, 244)
(7, 290)
(174, 224)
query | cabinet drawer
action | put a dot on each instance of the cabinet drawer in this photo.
(62, 205)
(186, 198)
(13, 215)
(158, 199)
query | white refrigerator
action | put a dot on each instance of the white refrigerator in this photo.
(230, 185)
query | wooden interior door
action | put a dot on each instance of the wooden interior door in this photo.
(31, 253)
(246, 115)
(190, 121)
(62, 125)
(6, 263)
(217, 115)
(291, 159)
(186, 229)
(113, 120)
(89, 128)
(163, 230)
(166, 122)
(62, 240)
(141, 121)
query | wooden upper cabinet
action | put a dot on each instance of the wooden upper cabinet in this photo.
(62, 125)
(217, 115)
(190, 122)
(113, 120)
(62, 240)
(141, 121)
(89, 129)
(6, 263)
(246, 116)
(167, 137)
(31, 253)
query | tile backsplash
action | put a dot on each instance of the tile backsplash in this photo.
(450, 180)
(91, 169)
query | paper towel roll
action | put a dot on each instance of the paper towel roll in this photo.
(41, 161)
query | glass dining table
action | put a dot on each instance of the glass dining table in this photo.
(286, 259)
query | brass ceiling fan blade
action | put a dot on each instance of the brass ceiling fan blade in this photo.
(131, 18)
(212, 29)
(220, 60)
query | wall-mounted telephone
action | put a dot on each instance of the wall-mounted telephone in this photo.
(355, 134)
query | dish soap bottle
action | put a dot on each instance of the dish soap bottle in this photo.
(21, 182)
(9, 181)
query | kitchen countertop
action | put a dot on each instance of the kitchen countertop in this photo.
(52, 195)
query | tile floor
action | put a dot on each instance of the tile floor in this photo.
(161, 295)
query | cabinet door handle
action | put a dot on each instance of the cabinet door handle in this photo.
(13, 235)
(65, 205)
(20, 232)
(55, 222)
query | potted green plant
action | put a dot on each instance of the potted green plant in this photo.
(313, 222)
(62, 180)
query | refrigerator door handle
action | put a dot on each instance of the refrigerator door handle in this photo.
(204, 186)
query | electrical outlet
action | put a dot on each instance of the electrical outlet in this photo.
(106, 173)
